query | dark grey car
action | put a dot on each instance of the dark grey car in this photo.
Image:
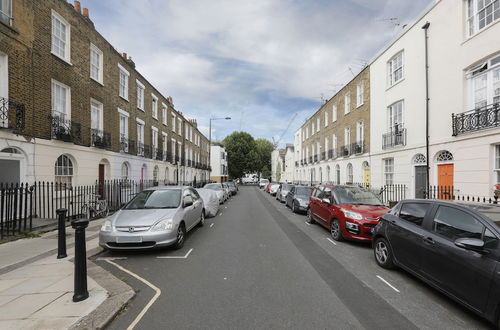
(452, 246)
(298, 198)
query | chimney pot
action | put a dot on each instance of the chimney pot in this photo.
(124, 55)
(86, 12)
(77, 6)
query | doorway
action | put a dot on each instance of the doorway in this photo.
(445, 181)
(420, 181)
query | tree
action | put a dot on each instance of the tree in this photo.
(265, 172)
(241, 153)
(264, 150)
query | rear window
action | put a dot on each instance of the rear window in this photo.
(303, 191)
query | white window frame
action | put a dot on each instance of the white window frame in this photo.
(63, 174)
(67, 43)
(318, 124)
(360, 132)
(99, 78)
(392, 121)
(164, 114)
(174, 144)
(140, 133)
(392, 68)
(347, 103)
(67, 114)
(100, 108)
(6, 13)
(179, 126)
(140, 94)
(125, 176)
(174, 123)
(496, 163)
(388, 167)
(127, 76)
(334, 113)
(164, 144)
(472, 14)
(360, 94)
(326, 119)
(347, 137)
(154, 106)
(487, 71)
(154, 137)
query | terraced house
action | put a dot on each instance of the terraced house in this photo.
(333, 144)
(73, 109)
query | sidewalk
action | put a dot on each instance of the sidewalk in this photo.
(36, 288)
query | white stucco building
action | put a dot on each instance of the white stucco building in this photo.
(218, 162)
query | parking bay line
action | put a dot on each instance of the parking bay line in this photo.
(389, 284)
(143, 280)
(110, 258)
(307, 223)
(211, 225)
(331, 241)
(176, 257)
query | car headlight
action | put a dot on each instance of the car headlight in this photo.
(352, 215)
(163, 225)
(107, 226)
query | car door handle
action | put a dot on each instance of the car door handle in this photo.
(429, 240)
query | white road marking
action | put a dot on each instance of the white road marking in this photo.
(111, 258)
(149, 304)
(176, 257)
(331, 241)
(389, 284)
(307, 223)
(225, 207)
(220, 214)
(211, 225)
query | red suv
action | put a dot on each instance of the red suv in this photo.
(349, 212)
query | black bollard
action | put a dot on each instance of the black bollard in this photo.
(81, 292)
(61, 233)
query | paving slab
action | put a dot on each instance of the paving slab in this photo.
(31, 285)
(65, 307)
(26, 305)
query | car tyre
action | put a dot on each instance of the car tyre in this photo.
(335, 230)
(202, 219)
(181, 237)
(383, 253)
(310, 217)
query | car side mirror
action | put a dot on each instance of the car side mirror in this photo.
(187, 201)
(326, 201)
(474, 244)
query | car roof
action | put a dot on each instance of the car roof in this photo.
(167, 188)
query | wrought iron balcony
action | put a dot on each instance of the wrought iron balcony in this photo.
(395, 138)
(124, 143)
(100, 139)
(323, 155)
(140, 149)
(332, 153)
(310, 159)
(65, 130)
(476, 120)
(345, 150)
(157, 154)
(11, 114)
(358, 147)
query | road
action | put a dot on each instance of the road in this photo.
(259, 266)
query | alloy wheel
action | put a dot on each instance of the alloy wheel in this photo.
(202, 219)
(180, 236)
(335, 230)
(381, 252)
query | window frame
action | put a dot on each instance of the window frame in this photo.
(347, 103)
(391, 123)
(141, 89)
(386, 173)
(391, 70)
(154, 106)
(164, 114)
(67, 46)
(71, 169)
(67, 115)
(360, 94)
(121, 70)
(7, 14)
(334, 113)
(472, 18)
(100, 108)
(100, 65)
(326, 119)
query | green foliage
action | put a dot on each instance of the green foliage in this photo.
(264, 150)
(265, 172)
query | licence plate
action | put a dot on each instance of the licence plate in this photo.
(129, 239)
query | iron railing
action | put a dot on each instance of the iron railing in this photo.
(395, 138)
(100, 139)
(124, 143)
(16, 202)
(358, 147)
(345, 150)
(12, 114)
(65, 129)
(476, 120)
(332, 153)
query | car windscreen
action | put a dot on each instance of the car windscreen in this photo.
(286, 187)
(155, 199)
(303, 191)
(213, 186)
(356, 196)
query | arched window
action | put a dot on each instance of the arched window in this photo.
(125, 171)
(167, 178)
(337, 174)
(11, 151)
(155, 173)
(444, 156)
(349, 173)
(64, 171)
(420, 159)
(328, 172)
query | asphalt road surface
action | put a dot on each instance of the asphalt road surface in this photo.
(256, 265)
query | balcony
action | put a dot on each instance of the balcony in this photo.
(11, 114)
(323, 155)
(310, 159)
(345, 150)
(100, 139)
(143, 150)
(65, 130)
(476, 120)
(358, 147)
(332, 153)
(157, 154)
(395, 138)
(316, 158)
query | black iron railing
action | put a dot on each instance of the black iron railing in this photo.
(345, 150)
(12, 114)
(310, 159)
(323, 155)
(124, 143)
(65, 130)
(476, 120)
(332, 153)
(395, 138)
(100, 139)
(358, 147)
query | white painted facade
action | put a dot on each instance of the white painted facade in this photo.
(275, 160)
(289, 170)
(452, 53)
(218, 162)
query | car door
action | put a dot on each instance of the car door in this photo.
(189, 211)
(198, 205)
(314, 201)
(289, 197)
(324, 207)
(464, 273)
(405, 232)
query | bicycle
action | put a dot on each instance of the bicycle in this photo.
(95, 207)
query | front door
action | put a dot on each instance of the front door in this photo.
(445, 180)
(366, 177)
(420, 181)
(101, 181)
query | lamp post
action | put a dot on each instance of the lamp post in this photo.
(210, 143)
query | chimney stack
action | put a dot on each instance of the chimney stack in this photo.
(124, 55)
(77, 6)
(86, 12)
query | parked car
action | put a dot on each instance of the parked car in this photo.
(452, 246)
(273, 188)
(219, 189)
(298, 198)
(226, 189)
(210, 201)
(233, 188)
(263, 183)
(283, 190)
(155, 217)
(349, 212)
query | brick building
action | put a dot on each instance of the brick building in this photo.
(333, 144)
(74, 109)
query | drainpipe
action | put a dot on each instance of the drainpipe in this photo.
(426, 27)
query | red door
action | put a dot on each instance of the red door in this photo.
(445, 181)
(101, 181)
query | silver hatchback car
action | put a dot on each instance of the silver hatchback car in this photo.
(155, 217)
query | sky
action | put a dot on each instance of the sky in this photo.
(266, 64)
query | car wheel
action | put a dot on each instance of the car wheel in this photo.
(181, 236)
(335, 230)
(202, 219)
(310, 217)
(383, 253)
